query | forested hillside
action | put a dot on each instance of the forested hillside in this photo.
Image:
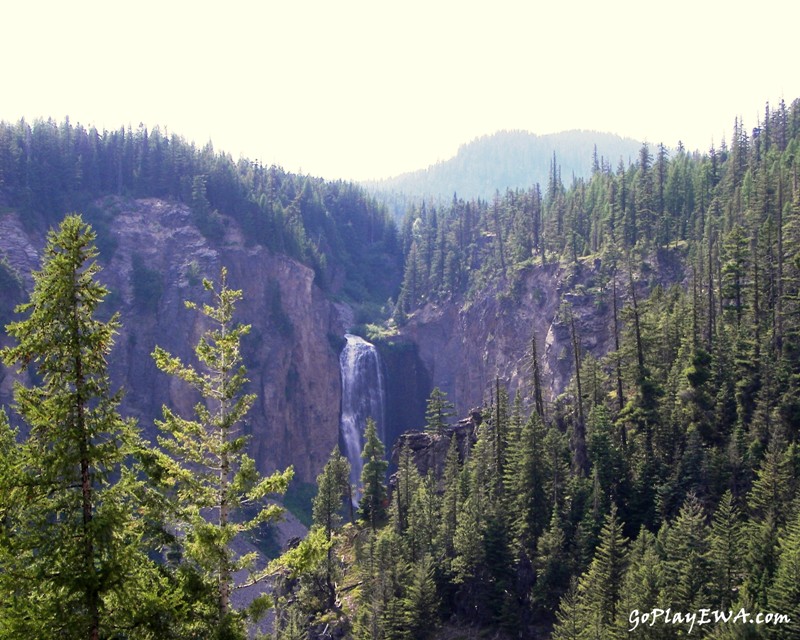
(310, 257)
(101, 535)
(48, 169)
(666, 476)
(503, 160)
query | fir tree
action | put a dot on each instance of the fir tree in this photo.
(526, 496)
(601, 586)
(687, 567)
(72, 562)
(372, 507)
(205, 465)
(451, 500)
(642, 586)
(407, 480)
(726, 545)
(438, 411)
(332, 489)
(381, 612)
(421, 601)
(769, 503)
(784, 594)
(570, 617)
(423, 519)
(552, 568)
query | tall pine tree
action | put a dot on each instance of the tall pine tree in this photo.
(205, 464)
(71, 554)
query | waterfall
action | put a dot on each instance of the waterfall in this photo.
(362, 397)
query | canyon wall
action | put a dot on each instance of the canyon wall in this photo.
(465, 346)
(154, 259)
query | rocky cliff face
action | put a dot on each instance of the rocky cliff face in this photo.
(465, 346)
(429, 450)
(156, 260)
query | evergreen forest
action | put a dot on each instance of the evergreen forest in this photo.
(666, 478)
(49, 169)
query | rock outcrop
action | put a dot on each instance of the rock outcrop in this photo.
(429, 450)
(465, 346)
(155, 259)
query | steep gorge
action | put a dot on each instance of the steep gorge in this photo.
(156, 261)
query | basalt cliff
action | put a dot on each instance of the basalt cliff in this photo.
(154, 260)
(464, 347)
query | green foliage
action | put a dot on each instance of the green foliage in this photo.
(298, 499)
(643, 583)
(527, 471)
(372, 506)
(687, 568)
(421, 601)
(72, 547)
(335, 228)
(147, 284)
(407, 481)
(450, 504)
(726, 541)
(679, 485)
(439, 409)
(204, 465)
(689, 419)
(602, 583)
(785, 590)
(332, 490)
(381, 612)
(684, 439)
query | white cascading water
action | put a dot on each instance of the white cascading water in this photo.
(363, 397)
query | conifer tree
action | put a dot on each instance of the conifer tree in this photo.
(784, 594)
(769, 503)
(421, 601)
(71, 554)
(726, 547)
(407, 480)
(687, 566)
(536, 377)
(423, 519)
(527, 501)
(451, 499)
(552, 568)
(468, 540)
(601, 586)
(205, 465)
(372, 507)
(381, 612)
(332, 489)
(642, 586)
(570, 617)
(606, 452)
(439, 409)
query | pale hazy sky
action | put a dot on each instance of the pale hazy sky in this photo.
(356, 90)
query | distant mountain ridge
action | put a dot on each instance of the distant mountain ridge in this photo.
(507, 159)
